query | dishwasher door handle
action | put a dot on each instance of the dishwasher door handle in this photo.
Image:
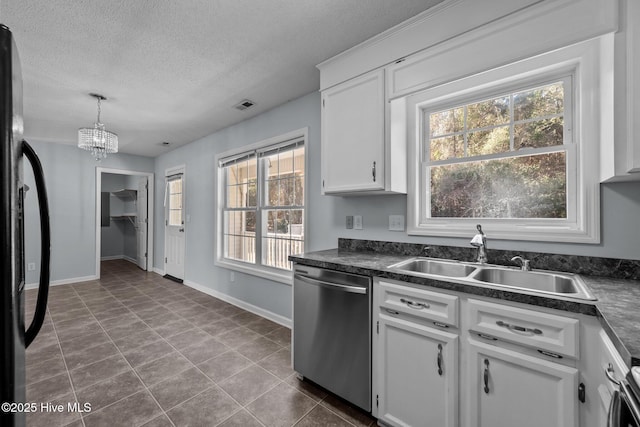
(336, 286)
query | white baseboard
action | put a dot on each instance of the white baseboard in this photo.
(281, 320)
(114, 257)
(131, 260)
(64, 281)
(158, 271)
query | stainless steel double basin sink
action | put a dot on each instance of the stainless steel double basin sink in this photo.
(538, 281)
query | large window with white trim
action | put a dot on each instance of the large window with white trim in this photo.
(504, 156)
(262, 206)
(515, 149)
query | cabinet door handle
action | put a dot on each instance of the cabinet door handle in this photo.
(440, 359)
(373, 171)
(486, 376)
(519, 328)
(610, 373)
(413, 304)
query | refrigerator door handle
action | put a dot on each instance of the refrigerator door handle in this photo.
(45, 235)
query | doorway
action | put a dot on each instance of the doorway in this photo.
(124, 217)
(174, 222)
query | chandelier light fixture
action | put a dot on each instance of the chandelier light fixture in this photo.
(97, 139)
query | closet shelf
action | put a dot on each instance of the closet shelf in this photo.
(126, 217)
(126, 194)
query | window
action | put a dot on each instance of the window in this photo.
(502, 157)
(174, 191)
(262, 192)
(515, 149)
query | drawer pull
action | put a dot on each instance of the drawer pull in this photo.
(550, 354)
(518, 328)
(440, 359)
(413, 304)
(440, 325)
(487, 337)
(486, 376)
(388, 310)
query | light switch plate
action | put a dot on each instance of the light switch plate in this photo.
(349, 222)
(357, 222)
(396, 222)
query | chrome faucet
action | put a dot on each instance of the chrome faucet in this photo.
(480, 241)
(524, 263)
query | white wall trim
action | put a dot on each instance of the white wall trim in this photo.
(158, 271)
(150, 211)
(281, 320)
(122, 257)
(64, 281)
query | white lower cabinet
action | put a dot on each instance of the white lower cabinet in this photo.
(444, 359)
(507, 389)
(417, 374)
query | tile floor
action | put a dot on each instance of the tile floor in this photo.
(143, 350)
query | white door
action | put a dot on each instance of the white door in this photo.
(174, 227)
(417, 374)
(141, 222)
(509, 389)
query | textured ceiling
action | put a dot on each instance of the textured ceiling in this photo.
(173, 70)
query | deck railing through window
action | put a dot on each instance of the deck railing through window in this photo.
(276, 248)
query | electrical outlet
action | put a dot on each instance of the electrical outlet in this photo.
(396, 222)
(357, 222)
(31, 266)
(349, 222)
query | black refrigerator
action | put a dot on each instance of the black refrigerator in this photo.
(14, 336)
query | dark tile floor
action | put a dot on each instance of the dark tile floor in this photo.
(143, 350)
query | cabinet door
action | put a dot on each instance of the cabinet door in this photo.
(353, 135)
(417, 374)
(509, 389)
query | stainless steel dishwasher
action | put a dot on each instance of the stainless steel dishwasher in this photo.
(332, 332)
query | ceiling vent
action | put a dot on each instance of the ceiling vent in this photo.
(244, 104)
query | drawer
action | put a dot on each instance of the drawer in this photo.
(539, 330)
(434, 306)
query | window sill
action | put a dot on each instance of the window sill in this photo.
(285, 277)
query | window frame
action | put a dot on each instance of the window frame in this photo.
(589, 121)
(257, 268)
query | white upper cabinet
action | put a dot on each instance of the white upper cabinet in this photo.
(353, 135)
(621, 154)
(363, 144)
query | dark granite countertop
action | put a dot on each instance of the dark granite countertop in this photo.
(616, 305)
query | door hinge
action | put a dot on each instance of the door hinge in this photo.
(323, 102)
(146, 186)
(377, 400)
(377, 327)
(165, 260)
(145, 254)
(166, 222)
(582, 392)
(323, 183)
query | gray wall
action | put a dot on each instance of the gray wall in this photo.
(326, 214)
(70, 175)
